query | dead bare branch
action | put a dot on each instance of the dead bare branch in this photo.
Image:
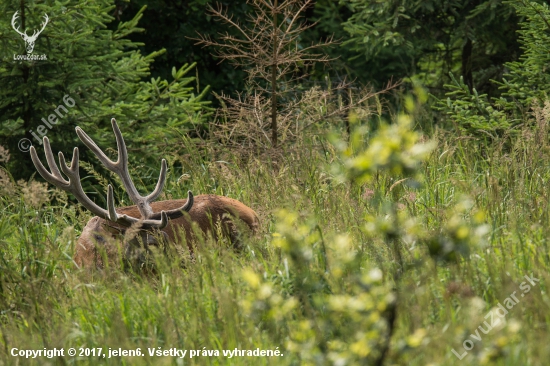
(268, 47)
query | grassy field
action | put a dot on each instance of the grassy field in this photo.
(340, 270)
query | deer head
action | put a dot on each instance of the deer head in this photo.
(148, 225)
(29, 40)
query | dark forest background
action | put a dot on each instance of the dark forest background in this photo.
(137, 61)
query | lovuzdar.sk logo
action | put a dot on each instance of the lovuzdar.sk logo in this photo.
(29, 40)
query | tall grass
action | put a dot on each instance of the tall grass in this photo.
(216, 301)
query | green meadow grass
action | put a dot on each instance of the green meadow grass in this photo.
(213, 303)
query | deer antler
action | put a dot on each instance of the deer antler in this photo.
(29, 40)
(121, 169)
(37, 33)
(13, 19)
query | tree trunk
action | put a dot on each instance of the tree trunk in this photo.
(27, 114)
(467, 64)
(274, 80)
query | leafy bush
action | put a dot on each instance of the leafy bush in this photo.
(332, 305)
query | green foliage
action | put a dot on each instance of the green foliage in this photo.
(394, 256)
(397, 150)
(343, 305)
(528, 79)
(432, 38)
(524, 83)
(458, 236)
(321, 279)
(99, 68)
(472, 112)
(171, 24)
(394, 148)
(348, 311)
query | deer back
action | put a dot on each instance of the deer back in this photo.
(101, 238)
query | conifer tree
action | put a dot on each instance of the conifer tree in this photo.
(92, 65)
(523, 86)
(472, 38)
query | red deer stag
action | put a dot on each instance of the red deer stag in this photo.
(151, 219)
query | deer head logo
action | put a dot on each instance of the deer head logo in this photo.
(29, 40)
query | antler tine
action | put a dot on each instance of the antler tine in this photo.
(109, 164)
(55, 176)
(120, 167)
(178, 212)
(51, 160)
(144, 224)
(46, 19)
(175, 213)
(160, 184)
(13, 19)
(113, 215)
(74, 187)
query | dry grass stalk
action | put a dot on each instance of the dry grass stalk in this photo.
(4, 154)
(34, 193)
(542, 118)
(245, 121)
(7, 186)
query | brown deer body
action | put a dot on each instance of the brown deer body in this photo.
(101, 235)
(131, 231)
